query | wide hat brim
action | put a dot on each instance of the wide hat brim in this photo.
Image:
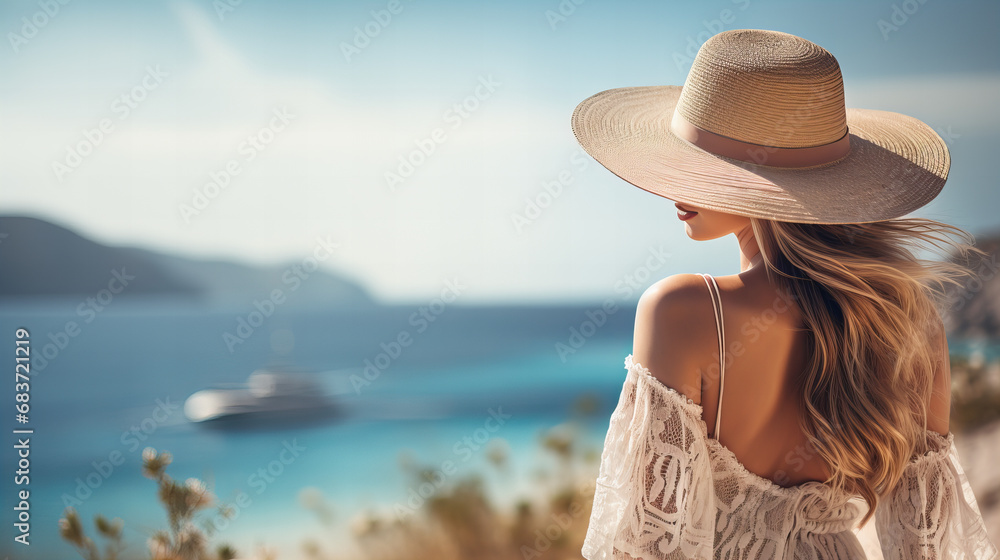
(896, 163)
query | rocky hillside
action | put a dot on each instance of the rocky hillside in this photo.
(974, 311)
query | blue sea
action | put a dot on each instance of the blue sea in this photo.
(470, 380)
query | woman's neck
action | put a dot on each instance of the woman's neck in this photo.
(749, 250)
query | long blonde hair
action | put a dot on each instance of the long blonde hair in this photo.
(871, 305)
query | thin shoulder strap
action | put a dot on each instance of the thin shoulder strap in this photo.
(713, 289)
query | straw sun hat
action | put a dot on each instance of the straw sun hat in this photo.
(760, 129)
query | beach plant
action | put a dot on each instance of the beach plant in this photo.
(183, 539)
(461, 519)
(71, 530)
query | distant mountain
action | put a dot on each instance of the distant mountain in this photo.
(39, 259)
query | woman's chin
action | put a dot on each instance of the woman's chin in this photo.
(697, 234)
(691, 232)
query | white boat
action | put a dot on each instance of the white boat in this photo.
(269, 396)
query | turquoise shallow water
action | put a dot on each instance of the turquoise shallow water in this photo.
(117, 386)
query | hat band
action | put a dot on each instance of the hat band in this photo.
(756, 153)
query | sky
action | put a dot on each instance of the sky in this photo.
(418, 133)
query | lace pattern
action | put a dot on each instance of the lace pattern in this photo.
(667, 490)
(933, 513)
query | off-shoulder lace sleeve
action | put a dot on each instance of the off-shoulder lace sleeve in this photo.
(932, 513)
(654, 497)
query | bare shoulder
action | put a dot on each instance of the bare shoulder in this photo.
(674, 328)
(674, 293)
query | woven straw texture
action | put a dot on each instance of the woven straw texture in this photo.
(772, 90)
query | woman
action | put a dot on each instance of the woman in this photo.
(769, 413)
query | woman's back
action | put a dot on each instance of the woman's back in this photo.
(766, 352)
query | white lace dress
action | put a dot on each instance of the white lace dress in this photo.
(667, 490)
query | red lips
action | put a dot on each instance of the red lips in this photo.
(684, 213)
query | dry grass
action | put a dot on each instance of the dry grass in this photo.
(458, 521)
